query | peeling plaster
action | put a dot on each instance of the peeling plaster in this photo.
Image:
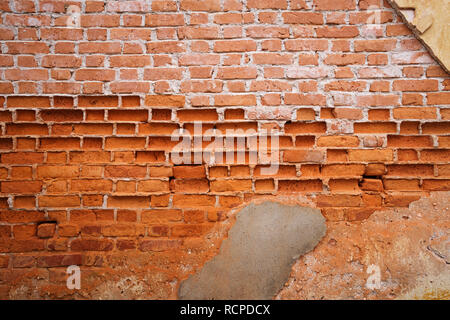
(430, 22)
(256, 259)
(411, 247)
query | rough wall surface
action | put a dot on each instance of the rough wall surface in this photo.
(410, 246)
(91, 92)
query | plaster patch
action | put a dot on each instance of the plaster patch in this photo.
(255, 261)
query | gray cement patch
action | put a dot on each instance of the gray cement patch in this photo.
(255, 261)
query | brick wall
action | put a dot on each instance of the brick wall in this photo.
(87, 113)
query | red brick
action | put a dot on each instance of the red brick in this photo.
(197, 115)
(100, 47)
(339, 200)
(313, 18)
(193, 201)
(440, 98)
(415, 85)
(370, 155)
(410, 170)
(378, 45)
(309, 44)
(59, 201)
(24, 187)
(91, 245)
(166, 47)
(164, 101)
(26, 129)
(300, 186)
(127, 202)
(27, 102)
(234, 46)
(98, 101)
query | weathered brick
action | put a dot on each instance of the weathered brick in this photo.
(87, 176)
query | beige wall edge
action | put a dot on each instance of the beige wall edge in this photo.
(430, 22)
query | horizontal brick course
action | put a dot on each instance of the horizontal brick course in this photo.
(88, 112)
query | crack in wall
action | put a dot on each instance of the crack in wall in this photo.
(438, 254)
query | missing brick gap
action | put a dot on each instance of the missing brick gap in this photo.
(47, 222)
(372, 177)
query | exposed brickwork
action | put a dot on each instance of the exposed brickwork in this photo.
(87, 113)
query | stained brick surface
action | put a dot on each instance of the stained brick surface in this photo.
(87, 112)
